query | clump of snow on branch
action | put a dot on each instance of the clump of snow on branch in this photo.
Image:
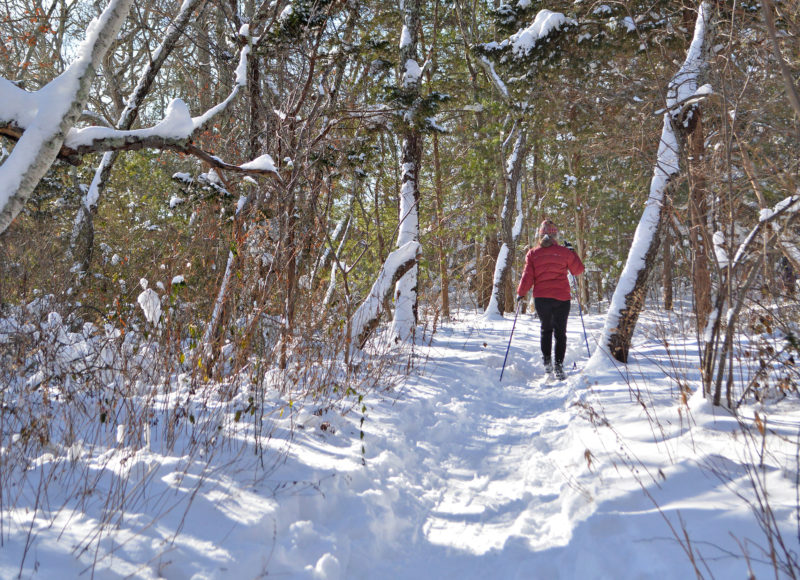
(262, 163)
(788, 204)
(176, 124)
(286, 13)
(16, 104)
(628, 23)
(405, 37)
(150, 303)
(411, 73)
(526, 39)
(719, 249)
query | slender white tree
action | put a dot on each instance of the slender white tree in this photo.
(511, 221)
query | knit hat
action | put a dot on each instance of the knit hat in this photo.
(548, 228)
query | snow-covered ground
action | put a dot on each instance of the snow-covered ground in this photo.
(616, 473)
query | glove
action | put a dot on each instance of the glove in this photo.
(569, 246)
(520, 299)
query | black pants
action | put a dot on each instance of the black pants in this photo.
(553, 314)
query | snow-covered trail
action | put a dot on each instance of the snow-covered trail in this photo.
(488, 445)
(483, 465)
(461, 476)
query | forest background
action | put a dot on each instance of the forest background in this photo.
(214, 213)
(514, 113)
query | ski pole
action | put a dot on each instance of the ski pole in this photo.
(580, 309)
(516, 312)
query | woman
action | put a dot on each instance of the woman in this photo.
(546, 268)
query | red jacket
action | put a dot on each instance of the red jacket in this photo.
(546, 270)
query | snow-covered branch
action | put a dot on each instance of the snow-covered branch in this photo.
(42, 123)
(48, 114)
(498, 83)
(131, 110)
(790, 205)
(523, 42)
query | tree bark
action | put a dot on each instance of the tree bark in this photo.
(443, 274)
(368, 315)
(619, 341)
(698, 217)
(666, 271)
(405, 313)
(511, 222)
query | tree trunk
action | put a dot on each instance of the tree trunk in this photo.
(619, 341)
(405, 313)
(698, 218)
(487, 263)
(368, 314)
(405, 295)
(580, 245)
(629, 296)
(256, 128)
(511, 223)
(666, 271)
(443, 274)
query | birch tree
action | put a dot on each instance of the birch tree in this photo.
(511, 221)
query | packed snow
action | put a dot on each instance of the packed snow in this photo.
(613, 474)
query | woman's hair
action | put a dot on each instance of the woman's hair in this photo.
(548, 233)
